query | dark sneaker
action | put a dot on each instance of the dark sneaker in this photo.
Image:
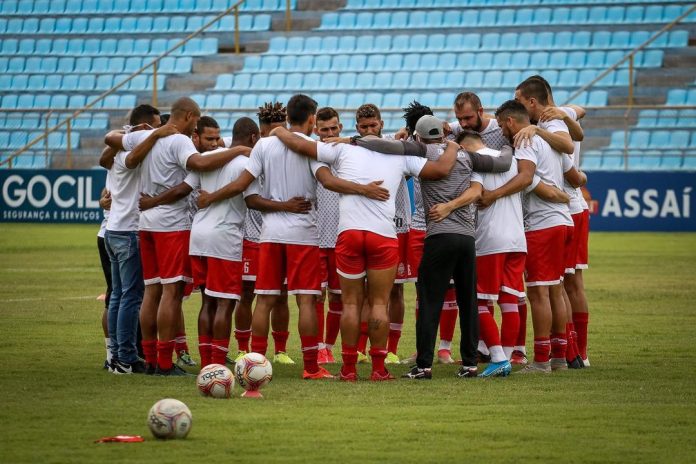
(466, 372)
(150, 369)
(483, 358)
(175, 371)
(418, 373)
(107, 365)
(576, 363)
(120, 368)
(139, 367)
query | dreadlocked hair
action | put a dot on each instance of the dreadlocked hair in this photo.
(272, 112)
(413, 112)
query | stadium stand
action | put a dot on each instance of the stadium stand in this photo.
(60, 54)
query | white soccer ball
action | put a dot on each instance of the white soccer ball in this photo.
(253, 371)
(215, 380)
(169, 418)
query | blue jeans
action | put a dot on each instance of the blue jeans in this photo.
(126, 294)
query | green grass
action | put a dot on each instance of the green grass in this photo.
(636, 403)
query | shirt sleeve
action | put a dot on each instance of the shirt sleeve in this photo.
(183, 148)
(253, 189)
(555, 125)
(567, 162)
(133, 139)
(328, 153)
(255, 164)
(526, 153)
(315, 165)
(570, 112)
(412, 165)
(193, 179)
(535, 181)
(476, 177)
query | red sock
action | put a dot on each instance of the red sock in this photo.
(378, 354)
(580, 321)
(220, 348)
(310, 349)
(572, 350)
(487, 326)
(522, 334)
(280, 340)
(510, 326)
(559, 345)
(320, 320)
(259, 344)
(164, 354)
(242, 337)
(333, 321)
(150, 351)
(448, 316)
(542, 349)
(394, 336)
(362, 341)
(349, 353)
(180, 342)
(205, 349)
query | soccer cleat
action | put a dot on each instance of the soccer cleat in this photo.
(410, 360)
(391, 359)
(184, 359)
(586, 362)
(150, 369)
(483, 358)
(518, 358)
(363, 358)
(349, 377)
(174, 371)
(229, 361)
(322, 357)
(318, 375)
(497, 369)
(445, 357)
(467, 372)
(240, 355)
(418, 373)
(381, 376)
(107, 365)
(536, 368)
(282, 358)
(576, 363)
(559, 364)
(329, 357)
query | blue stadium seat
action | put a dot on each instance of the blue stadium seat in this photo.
(671, 160)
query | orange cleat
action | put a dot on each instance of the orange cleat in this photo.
(381, 376)
(349, 377)
(320, 374)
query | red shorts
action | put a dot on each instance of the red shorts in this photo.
(416, 239)
(402, 267)
(581, 237)
(250, 260)
(546, 250)
(360, 250)
(164, 256)
(329, 276)
(221, 278)
(500, 272)
(299, 263)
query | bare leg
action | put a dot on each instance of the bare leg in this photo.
(261, 318)
(148, 311)
(169, 311)
(206, 315)
(242, 317)
(379, 289)
(353, 297)
(222, 326)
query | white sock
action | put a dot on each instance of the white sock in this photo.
(483, 348)
(508, 351)
(321, 346)
(107, 342)
(328, 347)
(497, 354)
(521, 348)
(445, 345)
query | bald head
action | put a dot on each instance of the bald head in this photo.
(185, 114)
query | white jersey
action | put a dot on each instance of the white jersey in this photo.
(363, 166)
(577, 200)
(124, 184)
(500, 227)
(328, 216)
(539, 213)
(227, 141)
(102, 226)
(492, 135)
(254, 218)
(418, 219)
(163, 168)
(217, 231)
(286, 175)
(402, 211)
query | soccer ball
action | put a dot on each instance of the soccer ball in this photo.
(215, 380)
(253, 371)
(169, 418)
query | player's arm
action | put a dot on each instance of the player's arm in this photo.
(296, 143)
(486, 163)
(559, 141)
(114, 139)
(105, 200)
(574, 128)
(198, 162)
(372, 190)
(575, 178)
(298, 205)
(391, 146)
(551, 193)
(441, 210)
(435, 170)
(522, 180)
(106, 160)
(235, 187)
(175, 193)
(580, 112)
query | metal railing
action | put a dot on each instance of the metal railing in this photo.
(154, 63)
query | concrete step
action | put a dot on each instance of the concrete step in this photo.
(193, 82)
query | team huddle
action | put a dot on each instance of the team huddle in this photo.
(498, 217)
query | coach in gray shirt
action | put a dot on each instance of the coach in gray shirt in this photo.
(449, 250)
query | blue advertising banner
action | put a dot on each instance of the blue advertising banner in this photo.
(641, 201)
(47, 195)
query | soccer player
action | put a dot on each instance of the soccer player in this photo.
(289, 241)
(216, 250)
(164, 231)
(367, 248)
(105, 203)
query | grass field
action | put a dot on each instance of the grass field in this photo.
(637, 403)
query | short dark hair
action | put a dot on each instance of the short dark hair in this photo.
(413, 112)
(368, 110)
(164, 118)
(534, 88)
(467, 134)
(301, 108)
(243, 128)
(512, 108)
(142, 114)
(206, 121)
(327, 113)
(468, 97)
(272, 112)
(539, 78)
